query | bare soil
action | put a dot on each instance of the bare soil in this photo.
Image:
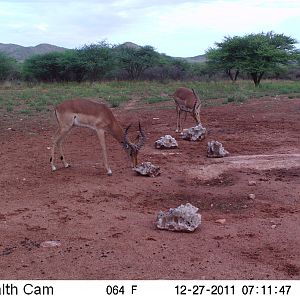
(104, 227)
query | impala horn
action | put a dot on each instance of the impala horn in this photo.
(126, 142)
(142, 138)
(196, 95)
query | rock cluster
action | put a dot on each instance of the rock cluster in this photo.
(166, 142)
(183, 218)
(147, 169)
(196, 133)
(215, 149)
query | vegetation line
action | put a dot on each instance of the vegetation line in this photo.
(42, 97)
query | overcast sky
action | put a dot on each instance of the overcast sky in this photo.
(175, 27)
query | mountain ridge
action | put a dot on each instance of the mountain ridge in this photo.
(21, 53)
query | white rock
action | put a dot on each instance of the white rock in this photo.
(196, 133)
(183, 218)
(166, 142)
(147, 169)
(215, 149)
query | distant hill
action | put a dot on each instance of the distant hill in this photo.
(129, 45)
(21, 53)
(198, 58)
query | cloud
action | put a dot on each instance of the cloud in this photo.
(175, 27)
(42, 27)
(227, 16)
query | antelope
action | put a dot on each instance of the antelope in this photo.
(96, 116)
(188, 101)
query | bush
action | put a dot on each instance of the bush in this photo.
(8, 68)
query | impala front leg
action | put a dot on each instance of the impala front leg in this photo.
(178, 125)
(101, 136)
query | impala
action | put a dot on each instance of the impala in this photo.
(97, 116)
(188, 101)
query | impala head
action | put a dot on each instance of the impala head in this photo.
(133, 149)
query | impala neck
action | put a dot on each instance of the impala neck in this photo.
(117, 132)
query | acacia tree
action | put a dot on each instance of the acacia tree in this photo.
(226, 57)
(135, 61)
(255, 54)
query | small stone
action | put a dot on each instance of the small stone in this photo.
(251, 182)
(251, 196)
(221, 221)
(273, 226)
(48, 244)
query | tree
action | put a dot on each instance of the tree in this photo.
(255, 54)
(8, 67)
(43, 67)
(97, 59)
(91, 62)
(136, 60)
(72, 68)
(226, 57)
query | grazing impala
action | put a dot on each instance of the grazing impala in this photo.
(97, 116)
(188, 101)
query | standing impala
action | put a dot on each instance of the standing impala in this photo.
(188, 101)
(97, 116)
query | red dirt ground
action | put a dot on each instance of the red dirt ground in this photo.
(106, 225)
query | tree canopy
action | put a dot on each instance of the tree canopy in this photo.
(254, 54)
(135, 61)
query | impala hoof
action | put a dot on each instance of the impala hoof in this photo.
(109, 173)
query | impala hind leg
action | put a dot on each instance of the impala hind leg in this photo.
(101, 136)
(58, 141)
